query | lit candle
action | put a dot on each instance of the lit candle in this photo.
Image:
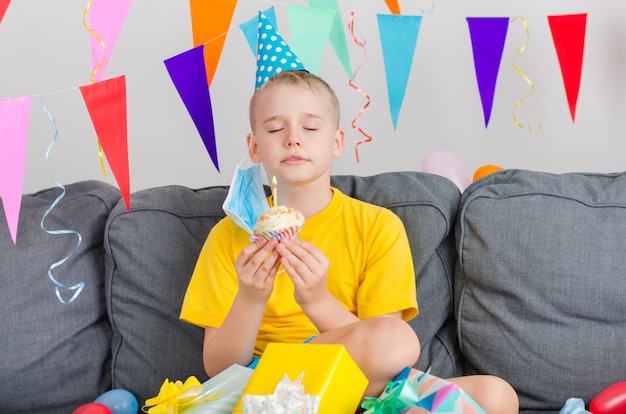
(274, 192)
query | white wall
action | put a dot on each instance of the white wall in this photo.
(44, 49)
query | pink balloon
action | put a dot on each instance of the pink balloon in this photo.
(445, 164)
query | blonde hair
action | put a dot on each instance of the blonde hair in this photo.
(300, 78)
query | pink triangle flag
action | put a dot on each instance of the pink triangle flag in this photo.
(14, 118)
(398, 37)
(488, 35)
(106, 19)
(106, 103)
(4, 5)
(568, 33)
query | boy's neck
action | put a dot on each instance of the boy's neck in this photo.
(310, 199)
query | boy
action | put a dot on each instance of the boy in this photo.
(348, 278)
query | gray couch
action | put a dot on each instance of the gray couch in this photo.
(523, 276)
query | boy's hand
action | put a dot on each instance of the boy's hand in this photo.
(307, 267)
(256, 268)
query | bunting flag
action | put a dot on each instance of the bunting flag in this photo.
(488, 35)
(106, 19)
(393, 5)
(398, 37)
(210, 21)
(309, 30)
(14, 119)
(4, 5)
(250, 28)
(568, 33)
(188, 73)
(337, 33)
(106, 103)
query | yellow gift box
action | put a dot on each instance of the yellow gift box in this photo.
(328, 372)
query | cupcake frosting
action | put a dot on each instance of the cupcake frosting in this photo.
(277, 218)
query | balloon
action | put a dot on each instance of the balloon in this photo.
(119, 401)
(92, 408)
(443, 163)
(610, 401)
(485, 170)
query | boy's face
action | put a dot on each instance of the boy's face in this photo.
(294, 133)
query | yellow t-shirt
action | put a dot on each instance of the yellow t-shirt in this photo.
(371, 271)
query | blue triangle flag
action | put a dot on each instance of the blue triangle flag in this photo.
(398, 37)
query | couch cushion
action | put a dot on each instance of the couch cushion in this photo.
(540, 283)
(427, 204)
(55, 356)
(151, 254)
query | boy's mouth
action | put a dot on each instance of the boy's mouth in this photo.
(293, 158)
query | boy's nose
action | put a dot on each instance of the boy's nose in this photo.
(293, 139)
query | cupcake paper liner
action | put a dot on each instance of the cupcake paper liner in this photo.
(275, 234)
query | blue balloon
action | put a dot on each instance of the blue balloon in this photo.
(119, 401)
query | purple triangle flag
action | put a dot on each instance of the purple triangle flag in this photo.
(398, 37)
(188, 73)
(488, 35)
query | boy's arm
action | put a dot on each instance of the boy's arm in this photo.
(233, 342)
(307, 267)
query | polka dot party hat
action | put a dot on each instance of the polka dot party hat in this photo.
(273, 54)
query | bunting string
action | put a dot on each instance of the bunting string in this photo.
(523, 76)
(77, 288)
(368, 138)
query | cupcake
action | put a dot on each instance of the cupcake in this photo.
(276, 223)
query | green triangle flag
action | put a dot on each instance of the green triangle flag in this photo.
(337, 33)
(309, 30)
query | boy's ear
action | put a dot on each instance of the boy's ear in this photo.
(338, 143)
(253, 148)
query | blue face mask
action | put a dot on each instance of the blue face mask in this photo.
(246, 200)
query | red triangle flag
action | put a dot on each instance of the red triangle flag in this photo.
(568, 33)
(106, 103)
(4, 5)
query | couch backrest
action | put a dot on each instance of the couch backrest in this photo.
(427, 205)
(55, 355)
(151, 254)
(540, 291)
(152, 251)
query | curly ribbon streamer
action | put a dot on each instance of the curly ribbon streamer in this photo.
(368, 138)
(93, 75)
(528, 81)
(58, 285)
(172, 395)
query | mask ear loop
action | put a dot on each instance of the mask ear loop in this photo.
(249, 147)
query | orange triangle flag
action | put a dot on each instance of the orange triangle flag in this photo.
(210, 21)
(106, 103)
(393, 5)
(568, 33)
